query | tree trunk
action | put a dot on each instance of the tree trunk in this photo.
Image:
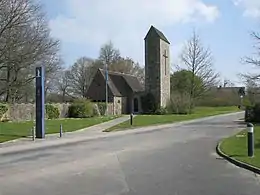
(7, 97)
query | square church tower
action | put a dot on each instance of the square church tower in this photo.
(157, 66)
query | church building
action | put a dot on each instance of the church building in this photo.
(125, 91)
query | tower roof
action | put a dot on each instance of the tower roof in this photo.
(158, 33)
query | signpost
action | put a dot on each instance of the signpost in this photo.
(40, 103)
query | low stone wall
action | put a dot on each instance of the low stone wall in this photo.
(20, 112)
(26, 112)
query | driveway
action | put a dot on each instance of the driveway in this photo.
(173, 161)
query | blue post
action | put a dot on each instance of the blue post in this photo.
(250, 139)
(40, 103)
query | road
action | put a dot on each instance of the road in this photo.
(173, 161)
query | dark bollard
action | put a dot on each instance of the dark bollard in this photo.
(250, 139)
(61, 131)
(131, 119)
(33, 133)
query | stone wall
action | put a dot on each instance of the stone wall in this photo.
(165, 88)
(26, 112)
(117, 110)
(157, 68)
(152, 65)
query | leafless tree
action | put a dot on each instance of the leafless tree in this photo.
(199, 61)
(109, 54)
(25, 43)
(253, 60)
(128, 66)
(228, 83)
(252, 89)
(80, 76)
(63, 83)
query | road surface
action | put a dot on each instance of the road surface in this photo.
(173, 161)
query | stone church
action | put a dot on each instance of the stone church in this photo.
(125, 91)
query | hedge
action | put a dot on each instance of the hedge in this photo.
(52, 112)
(3, 109)
(81, 109)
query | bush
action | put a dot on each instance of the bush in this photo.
(161, 111)
(52, 112)
(178, 104)
(252, 113)
(247, 102)
(3, 109)
(249, 114)
(102, 106)
(81, 109)
(148, 103)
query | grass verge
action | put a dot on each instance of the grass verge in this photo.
(14, 130)
(236, 147)
(147, 120)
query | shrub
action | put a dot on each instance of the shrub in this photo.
(52, 112)
(161, 111)
(81, 109)
(3, 109)
(247, 102)
(102, 108)
(148, 103)
(179, 104)
(249, 114)
(252, 113)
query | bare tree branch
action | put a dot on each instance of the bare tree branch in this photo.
(25, 43)
(80, 76)
(253, 60)
(199, 61)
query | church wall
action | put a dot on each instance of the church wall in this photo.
(124, 105)
(152, 66)
(157, 75)
(165, 74)
(138, 97)
(117, 106)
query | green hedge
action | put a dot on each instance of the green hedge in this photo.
(252, 113)
(52, 112)
(81, 109)
(161, 111)
(3, 109)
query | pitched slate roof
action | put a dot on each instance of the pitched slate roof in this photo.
(159, 34)
(120, 84)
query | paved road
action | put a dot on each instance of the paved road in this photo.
(174, 161)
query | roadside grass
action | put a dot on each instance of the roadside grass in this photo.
(148, 120)
(14, 130)
(236, 147)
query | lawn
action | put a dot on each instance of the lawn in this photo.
(236, 147)
(15, 130)
(147, 120)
